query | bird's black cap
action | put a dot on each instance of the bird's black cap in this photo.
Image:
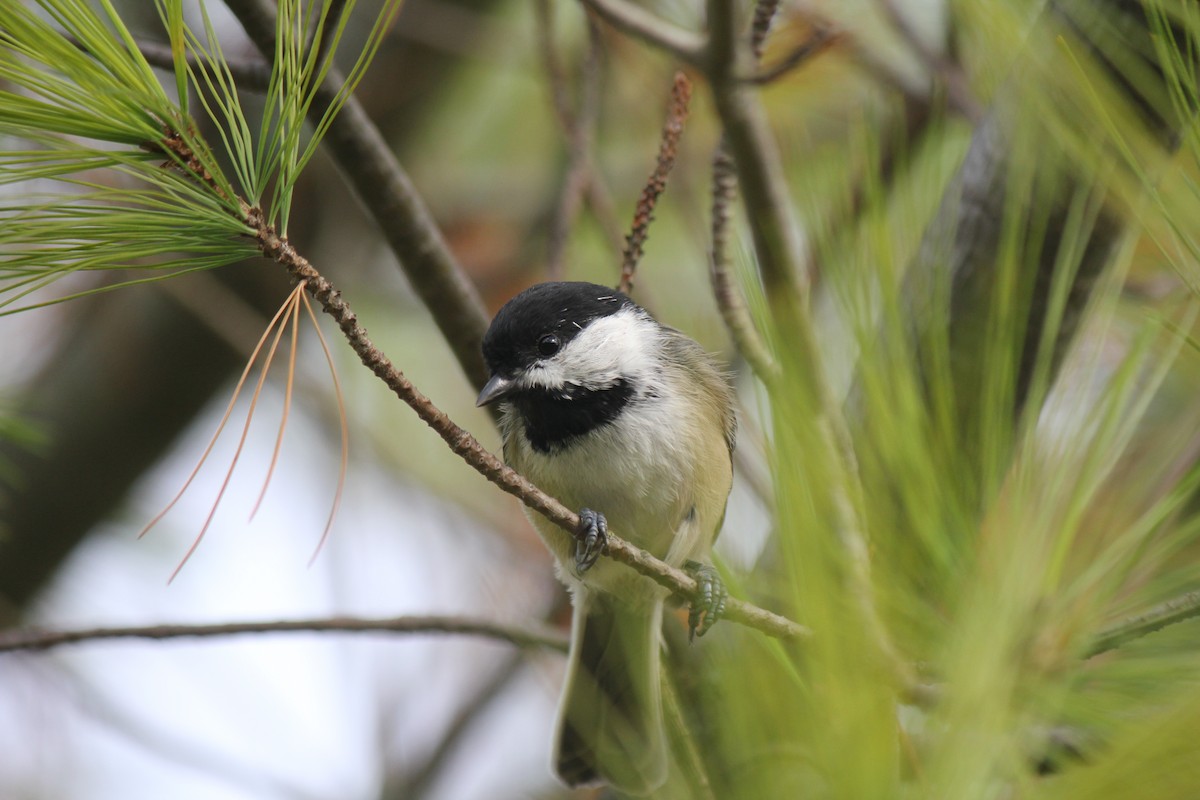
(562, 308)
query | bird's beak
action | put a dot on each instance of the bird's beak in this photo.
(496, 388)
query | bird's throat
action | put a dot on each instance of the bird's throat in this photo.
(553, 418)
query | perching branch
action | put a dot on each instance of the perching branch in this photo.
(17, 639)
(577, 128)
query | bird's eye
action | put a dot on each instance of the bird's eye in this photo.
(548, 345)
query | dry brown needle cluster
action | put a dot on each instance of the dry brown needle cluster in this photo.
(681, 96)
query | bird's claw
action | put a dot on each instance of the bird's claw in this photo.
(591, 539)
(708, 605)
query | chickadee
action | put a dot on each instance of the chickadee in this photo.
(632, 422)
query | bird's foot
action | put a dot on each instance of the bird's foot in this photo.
(708, 605)
(591, 539)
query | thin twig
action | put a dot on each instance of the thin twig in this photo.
(556, 74)
(634, 21)
(681, 95)
(522, 636)
(599, 197)
(1173, 611)
(823, 38)
(730, 302)
(575, 183)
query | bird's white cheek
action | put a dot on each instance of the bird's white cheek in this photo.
(620, 347)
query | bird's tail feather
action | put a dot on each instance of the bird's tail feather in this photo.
(610, 716)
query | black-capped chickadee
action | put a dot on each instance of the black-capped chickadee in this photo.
(632, 422)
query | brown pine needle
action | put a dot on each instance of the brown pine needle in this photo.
(237, 453)
(287, 395)
(221, 426)
(287, 316)
(341, 404)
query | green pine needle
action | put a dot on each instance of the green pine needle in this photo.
(138, 187)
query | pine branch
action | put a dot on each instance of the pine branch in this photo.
(15, 640)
